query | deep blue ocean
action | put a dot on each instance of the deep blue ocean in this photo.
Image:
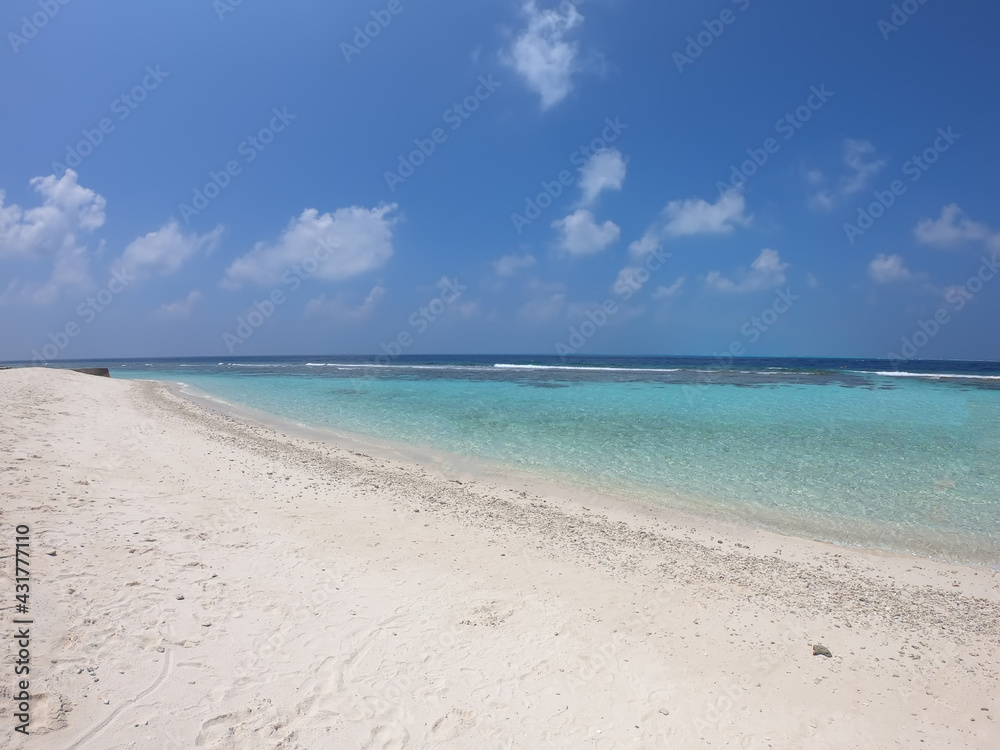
(852, 451)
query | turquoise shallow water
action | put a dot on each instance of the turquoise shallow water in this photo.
(907, 461)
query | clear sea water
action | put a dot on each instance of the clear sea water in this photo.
(851, 451)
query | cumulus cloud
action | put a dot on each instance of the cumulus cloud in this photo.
(665, 292)
(605, 170)
(766, 272)
(950, 229)
(648, 243)
(859, 159)
(685, 218)
(542, 55)
(861, 168)
(336, 246)
(180, 309)
(339, 308)
(71, 270)
(692, 217)
(55, 229)
(696, 216)
(581, 235)
(886, 269)
(164, 251)
(509, 265)
(67, 211)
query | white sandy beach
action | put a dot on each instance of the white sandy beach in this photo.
(201, 580)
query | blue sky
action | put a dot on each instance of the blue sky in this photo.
(212, 178)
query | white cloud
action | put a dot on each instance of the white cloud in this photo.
(67, 210)
(766, 272)
(690, 217)
(646, 244)
(70, 271)
(696, 216)
(182, 308)
(626, 277)
(542, 56)
(54, 229)
(952, 228)
(663, 292)
(509, 265)
(861, 170)
(856, 155)
(340, 309)
(605, 170)
(885, 269)
(336, 246)
(582, 235)
(164, 251)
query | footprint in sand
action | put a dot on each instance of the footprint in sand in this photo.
(258, 725)
(453, 723)
(48, 713)
(387, 738)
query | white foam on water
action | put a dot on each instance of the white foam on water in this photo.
(930, 375)
(501, 366)
(364, 366)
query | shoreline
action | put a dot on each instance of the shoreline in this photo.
(980, 552)
(299, 592)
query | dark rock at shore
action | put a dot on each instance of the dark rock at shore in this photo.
(99, 371)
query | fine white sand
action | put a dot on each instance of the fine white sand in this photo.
(201, 580)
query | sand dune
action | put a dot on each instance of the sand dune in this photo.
(200, 580)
